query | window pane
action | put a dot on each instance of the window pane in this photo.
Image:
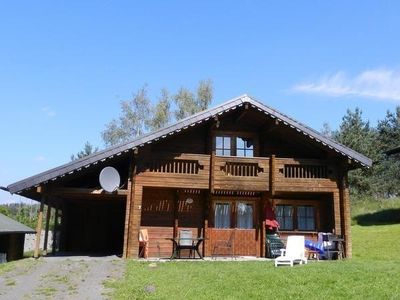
(244, 216)
(244, 147)
(223, 145)
(284, 216)
(219, 152)
(219, 142)
(288, 223)
(249, 153)
(227, 142)
(227, 152)
(306, 218)
(222, 215)
(240, 143)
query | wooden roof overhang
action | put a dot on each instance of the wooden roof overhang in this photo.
(28, 186)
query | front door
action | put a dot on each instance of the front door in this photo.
(234, 216)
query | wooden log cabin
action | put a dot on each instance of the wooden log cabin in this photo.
(212, 173)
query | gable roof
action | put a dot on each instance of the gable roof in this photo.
(201, 117)
(8, 225)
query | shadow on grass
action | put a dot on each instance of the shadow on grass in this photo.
(383, 217)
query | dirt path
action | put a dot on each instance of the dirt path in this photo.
(60, 278)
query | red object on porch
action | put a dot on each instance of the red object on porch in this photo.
(270, 219)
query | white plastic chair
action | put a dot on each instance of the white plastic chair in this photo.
(294, 252)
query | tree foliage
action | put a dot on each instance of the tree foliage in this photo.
(21, 212)
(161, 112)
(139, 116)
(87, 150)
(383, 178)
(133, 121)
(188, 104)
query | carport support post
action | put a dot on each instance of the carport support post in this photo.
(53, 247)
(46, 232)
(39, 228)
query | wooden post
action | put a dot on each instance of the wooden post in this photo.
(55, 230)
(129, 199)
(63, 226)
(212, 171)
(262, 225)
(206, 208)
(39, 228)
(46, 232)
(345, 215)
(176, 221)
(272, 164)
(336, 213)
(127, 219)
(135, 220)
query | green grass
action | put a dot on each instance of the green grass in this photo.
(369, 211)
(373, 273)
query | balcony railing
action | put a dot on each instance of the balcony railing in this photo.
(230, 173)
(304, 174)
(177, 166)
(241, 173)
(175, 170)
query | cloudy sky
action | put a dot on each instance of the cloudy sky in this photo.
(64, 68)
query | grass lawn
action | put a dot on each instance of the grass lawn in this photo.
(373, 273)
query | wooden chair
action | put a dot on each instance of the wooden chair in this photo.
(143, 243)
(226, 245)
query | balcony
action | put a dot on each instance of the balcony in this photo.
(229, 173)
(240, 173)
(306, 175)
(175, 170)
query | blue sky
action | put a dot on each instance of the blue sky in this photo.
(64, 67)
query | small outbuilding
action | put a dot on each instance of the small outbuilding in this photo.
(393, 151)
(12, 237)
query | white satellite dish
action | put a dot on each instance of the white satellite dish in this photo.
(109, 179)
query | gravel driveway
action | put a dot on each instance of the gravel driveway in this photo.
(60, 278)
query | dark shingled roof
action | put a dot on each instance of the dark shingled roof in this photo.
(393, 151)
(8, 225)
(191, 121)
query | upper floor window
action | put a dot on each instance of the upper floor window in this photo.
(244, 147)
(234, 146)
(223, 145)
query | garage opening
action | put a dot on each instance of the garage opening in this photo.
(94, 226)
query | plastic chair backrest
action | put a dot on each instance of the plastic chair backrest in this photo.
(295, 246)
(143, 235)
(185, 236)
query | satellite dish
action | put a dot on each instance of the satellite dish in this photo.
(109, 179)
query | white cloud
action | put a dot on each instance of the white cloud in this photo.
(381, 84)
(48, 111)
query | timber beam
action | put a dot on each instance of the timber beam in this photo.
(242, 113)
(86, 191)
